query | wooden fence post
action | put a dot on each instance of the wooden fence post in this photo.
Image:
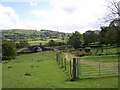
(70, 68)
(62, 62)
(59, 59)
(99, 67)
(74, 68)
(78, 68)
(57, 56)
(65, 63)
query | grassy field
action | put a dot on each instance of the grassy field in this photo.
(43, 41)
(106, 50)
(37, 42)
(40, 70)
(102, 58)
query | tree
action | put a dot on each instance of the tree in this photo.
(102, 35)
(51, 43)
(22, 44)
(90, 37)
(8, 50)
(113, 16)
(111, 36)
(75, 40)
(113, 10)
(115, 27)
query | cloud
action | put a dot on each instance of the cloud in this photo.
(65, 16)
(73, 14)
(9, 19)
(7, 16)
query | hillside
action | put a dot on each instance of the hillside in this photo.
(17, 34)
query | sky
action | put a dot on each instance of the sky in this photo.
(56, 15)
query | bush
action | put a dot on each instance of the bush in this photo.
(22, 44)
(87, 49)
(52, 43)
(8, 50)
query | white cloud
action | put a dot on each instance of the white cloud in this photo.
(9, 19)
(7, 16)
(66, 16)
(72, 14)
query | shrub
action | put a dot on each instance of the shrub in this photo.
(8, 50)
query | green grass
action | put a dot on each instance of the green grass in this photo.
(37, 42)
(43, 41)
(103, 58)
(106, 50)
(45, 74)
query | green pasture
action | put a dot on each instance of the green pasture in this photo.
(98, 69)
(37, 42)
(101, 58)
(43, 41)
(40, 70)
(106, 51)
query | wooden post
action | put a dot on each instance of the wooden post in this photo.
(78, 68)
(70, 67)
(62, 62)
(57, 57)
(65, 63)
(99, 67)
(74, 68)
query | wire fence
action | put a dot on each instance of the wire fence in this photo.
(79, 69)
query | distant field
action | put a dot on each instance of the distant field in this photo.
(102, 58)
(96, 58)
(108, 50)
(43, 41)
(37, 42)
(40, 70)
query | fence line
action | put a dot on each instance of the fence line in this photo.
(78, 69)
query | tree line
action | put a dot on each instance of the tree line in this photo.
(106, 36)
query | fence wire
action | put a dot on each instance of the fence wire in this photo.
(92, 67)
(86, 68)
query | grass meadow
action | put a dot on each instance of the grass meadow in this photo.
(43, 41)
(40, 70)
(102, 58)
